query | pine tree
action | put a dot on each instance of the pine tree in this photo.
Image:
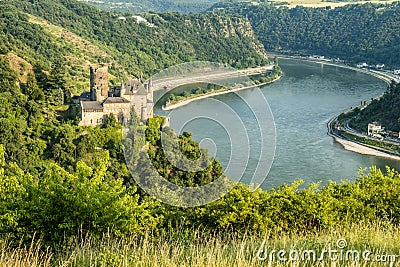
(32, 89)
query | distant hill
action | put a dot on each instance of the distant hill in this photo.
(139, 6)
(77, 34)
(358, 33)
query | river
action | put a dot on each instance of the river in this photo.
(302, 102)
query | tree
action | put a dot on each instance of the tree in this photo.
(276, 63)
(8, 77)
(111, 121)
(32, 90)
(56, 89)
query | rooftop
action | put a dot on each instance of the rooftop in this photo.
(141, 91)
(375, 123)
(112, 100)
(91, 105)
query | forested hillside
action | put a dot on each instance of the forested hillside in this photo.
(385, 110)
(368, 33)
(76, 34)
(137, 6)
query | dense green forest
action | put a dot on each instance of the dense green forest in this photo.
(77, 35)
(367, 33)
(385, 110)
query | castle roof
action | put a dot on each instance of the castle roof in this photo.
(131, 86)
(141, 91)
(85, 95)
(112, 100)
(91, 105)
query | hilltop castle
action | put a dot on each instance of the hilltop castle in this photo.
(103, 100)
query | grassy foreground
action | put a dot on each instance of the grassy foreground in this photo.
(182, 248)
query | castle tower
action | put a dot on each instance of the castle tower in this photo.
(98, 83)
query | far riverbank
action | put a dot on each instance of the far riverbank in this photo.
(227, 91)
(378, 74)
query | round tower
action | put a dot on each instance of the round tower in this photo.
(99, 83)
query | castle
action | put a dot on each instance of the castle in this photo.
(101, 101)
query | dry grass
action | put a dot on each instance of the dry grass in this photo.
(33, 255)
(197, 249)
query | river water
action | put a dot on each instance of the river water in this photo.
(302, 102)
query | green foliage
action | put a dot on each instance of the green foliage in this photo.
(26, 39)
(32, 89)
(21, 119)
(167, 154)
(55, 87)
(385, 110)
(60, 204)
(138, 48)
(111, 121)
(373, 198)
(354, 32)
(185, 92)
(8, 78)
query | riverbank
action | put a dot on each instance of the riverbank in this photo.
(357, 147)
(361, 149)
(378, 74)
(190, 100)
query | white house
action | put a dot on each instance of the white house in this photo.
(362, 65)
(375, 129)
(140, 19)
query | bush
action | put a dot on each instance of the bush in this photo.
(61, 204)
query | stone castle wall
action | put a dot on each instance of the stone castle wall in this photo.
(104, 101)
(99, 83)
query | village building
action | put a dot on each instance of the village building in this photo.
(101, 101)
(375, 129)
(362, 65)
